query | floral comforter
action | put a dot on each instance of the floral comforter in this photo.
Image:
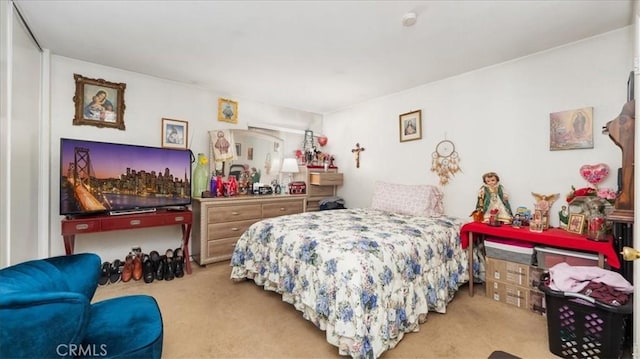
(364, 276)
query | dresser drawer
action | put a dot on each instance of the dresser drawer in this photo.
(80, 226)
(221, 214)
(229, 229)
(221, 249)
(325, 178)
(178, 218)
(313, 205)
(132, 222)
(321, 191)
(281, 208)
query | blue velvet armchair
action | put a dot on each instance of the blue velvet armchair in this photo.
(46, 312)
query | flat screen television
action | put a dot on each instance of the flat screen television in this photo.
(101, 177)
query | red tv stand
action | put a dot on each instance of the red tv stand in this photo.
(103, 223)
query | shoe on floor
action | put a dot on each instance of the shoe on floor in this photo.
(115, 271)
(105, 270)
(147, 269)
(137, 267)
(127, 270)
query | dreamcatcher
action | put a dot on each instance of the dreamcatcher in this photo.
(445, 161)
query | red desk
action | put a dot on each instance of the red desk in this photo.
(552, 237)
(103, 223)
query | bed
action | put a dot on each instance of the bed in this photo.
(366, 276)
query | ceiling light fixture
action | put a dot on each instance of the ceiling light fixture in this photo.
(409, 19)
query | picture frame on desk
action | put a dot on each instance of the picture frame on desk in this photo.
(576, 223)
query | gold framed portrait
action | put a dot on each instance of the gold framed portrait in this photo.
(99, 103)
(576, 223)
(227, 110)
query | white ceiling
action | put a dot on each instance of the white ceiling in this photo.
(317, 56)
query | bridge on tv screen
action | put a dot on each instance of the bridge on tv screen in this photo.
(79, 176)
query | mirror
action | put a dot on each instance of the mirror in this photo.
(257, 155)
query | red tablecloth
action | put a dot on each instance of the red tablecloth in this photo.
(553, 237)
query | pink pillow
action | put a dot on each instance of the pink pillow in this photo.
(416, 200)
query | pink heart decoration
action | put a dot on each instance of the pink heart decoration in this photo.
(594, 174)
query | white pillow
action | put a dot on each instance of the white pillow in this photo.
(417, 200)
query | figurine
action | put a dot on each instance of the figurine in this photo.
(492, 196)
(544, 202)
(255, 175)
(563, 216)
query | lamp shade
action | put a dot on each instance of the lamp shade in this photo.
(290, 165)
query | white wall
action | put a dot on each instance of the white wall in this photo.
(147, 101)
(19, 140)
(498, 118)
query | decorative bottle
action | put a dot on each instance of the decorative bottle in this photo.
(200, 176)
(219, 186)
(213, 185)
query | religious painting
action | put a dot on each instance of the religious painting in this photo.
(576, 223)
(411, 126)
(98, 103)
(174, 133)
(227, 110)
(572, 129)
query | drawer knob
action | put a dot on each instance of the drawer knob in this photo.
(82, 226)
(134, 222)
(234, 229)
(235, 213)
(179, 219)
(282, 209)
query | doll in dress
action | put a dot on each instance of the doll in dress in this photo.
(493, 199)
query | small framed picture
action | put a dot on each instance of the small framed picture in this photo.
(238, 149)
(411, 126)
(576, 223)
(99, 103)
(227, 110)
(175, 133)
(250, 153)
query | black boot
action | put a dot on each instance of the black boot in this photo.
(170, 269)
(179, 262)
(147, 269)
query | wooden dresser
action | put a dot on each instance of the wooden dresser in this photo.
(320, 184)
(219, 222)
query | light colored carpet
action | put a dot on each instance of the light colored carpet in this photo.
(206, 315)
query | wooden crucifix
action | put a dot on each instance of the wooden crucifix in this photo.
(357, 151)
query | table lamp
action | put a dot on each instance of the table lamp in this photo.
(289, 166)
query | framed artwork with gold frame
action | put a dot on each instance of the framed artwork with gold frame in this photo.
(576, 223)
(227, 110)
(411, 126)
(99, 103)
